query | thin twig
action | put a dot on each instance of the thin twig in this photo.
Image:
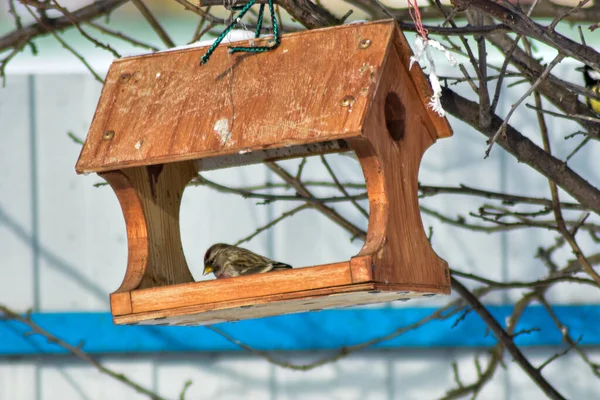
(13, 11)
(484, 376)
(558, 216)
(145, 11)
(198, 10)
(301, 168)
(526, 152)
(471, 56)
(7, 59)
(78, 352)
(341, 188)
(506, 198)
(573, 344)
(201, 180)
(93, 10)
(206, 30)
(565, 14)
(284, 185)
(75, 139)
(506, 340)
(19, 25)
(330, 213)
(543, 76)
(566, 116)
(95, 42)
(198, 32)
(383, 8)
(121, 36)
(272, 223)
(554, 357)
(476, 19)
(65, 45)
(577, 148)
(452, 308)
(522, 284)
(504, 68)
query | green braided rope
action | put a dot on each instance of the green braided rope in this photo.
(257, 49)
(262, 49)
(218, 41)
(259, 22)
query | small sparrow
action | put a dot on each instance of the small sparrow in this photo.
(227, 261)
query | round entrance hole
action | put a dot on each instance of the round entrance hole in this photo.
(395, 116)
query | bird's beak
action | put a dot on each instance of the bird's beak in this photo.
(580, 69)
(207, 270)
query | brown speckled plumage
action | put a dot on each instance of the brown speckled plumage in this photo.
(227, 261)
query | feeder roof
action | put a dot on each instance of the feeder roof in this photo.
(315, 87)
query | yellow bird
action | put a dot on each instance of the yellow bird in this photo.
(591, 78)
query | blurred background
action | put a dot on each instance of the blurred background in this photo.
(63, 250)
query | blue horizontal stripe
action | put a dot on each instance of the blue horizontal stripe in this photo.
(308, 331)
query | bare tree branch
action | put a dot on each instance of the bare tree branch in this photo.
(69, 48)
(77, 352)
(94, 10)
(506, 340)
(526, 151)
(520, 23)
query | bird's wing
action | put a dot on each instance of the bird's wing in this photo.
(256, 269)
(248, 262)
(265, 265)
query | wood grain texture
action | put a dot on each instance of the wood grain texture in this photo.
(441, 126)
(265, 306)
(120, 303)
(165, 107)
(223, 290)
(400, 130)
(171, 117)
(137, 230)
(150, 198)
(361, 269)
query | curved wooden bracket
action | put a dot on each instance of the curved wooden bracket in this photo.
(396, 134)
(150, 198)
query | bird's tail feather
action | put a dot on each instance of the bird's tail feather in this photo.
(278, 266)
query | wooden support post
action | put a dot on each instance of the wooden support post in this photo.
(150, 198)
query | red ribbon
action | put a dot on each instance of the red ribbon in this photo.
(415, 15)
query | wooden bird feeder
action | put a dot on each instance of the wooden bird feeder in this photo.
(162, 117)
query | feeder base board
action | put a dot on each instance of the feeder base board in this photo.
(288, 303)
